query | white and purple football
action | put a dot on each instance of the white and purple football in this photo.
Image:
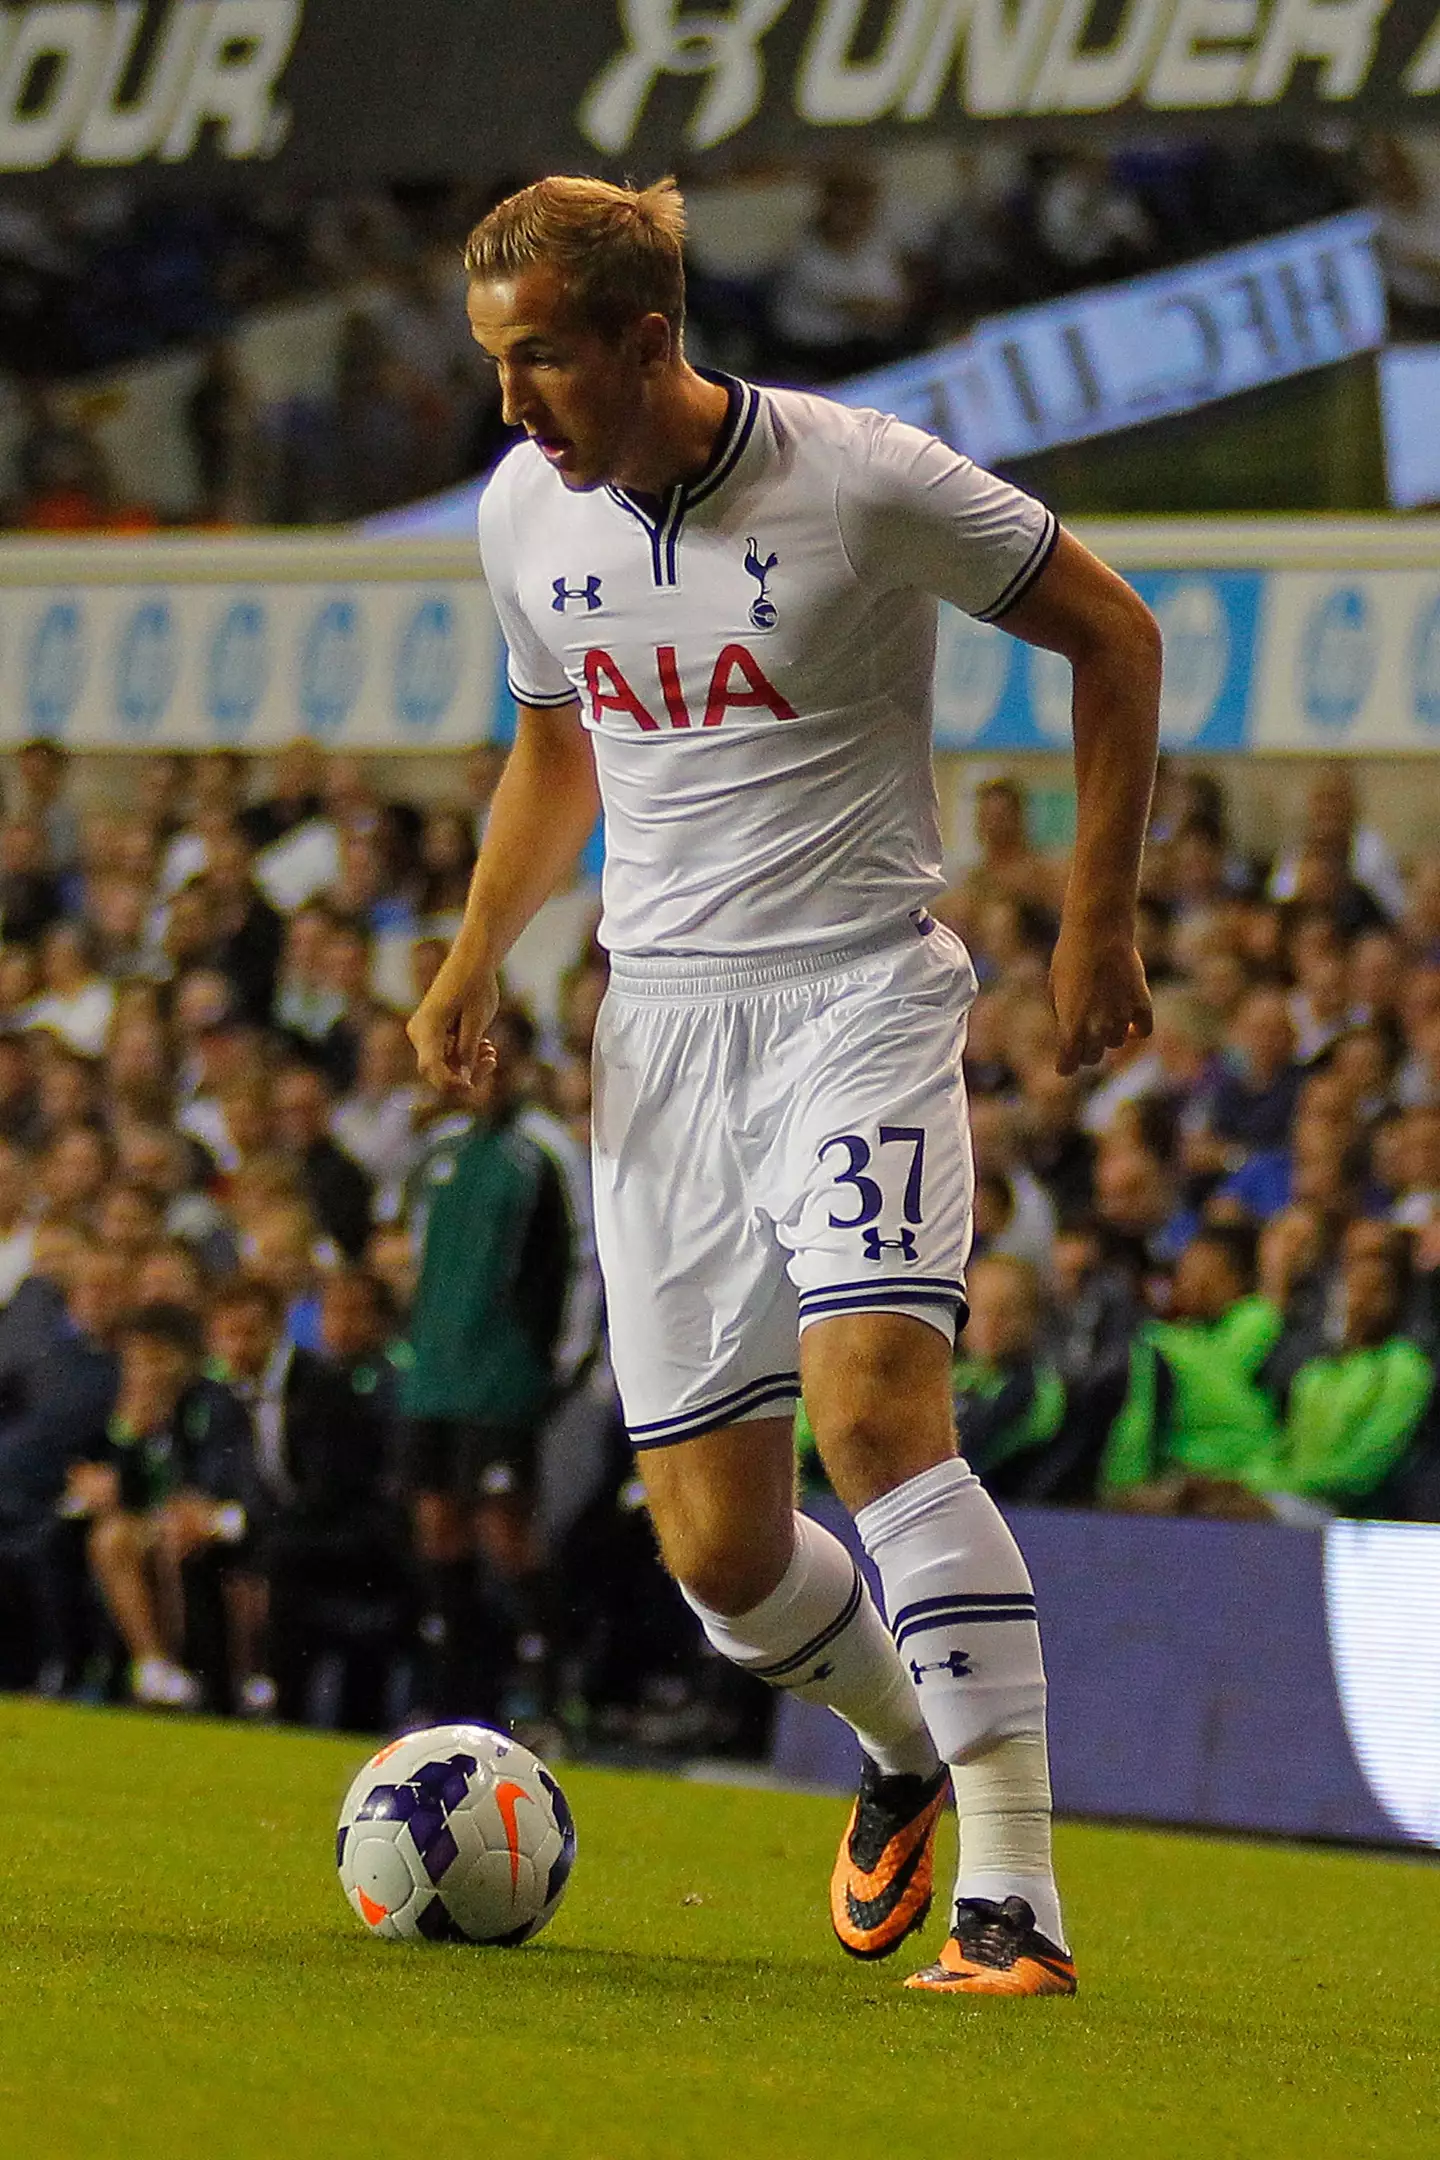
(455, 1834)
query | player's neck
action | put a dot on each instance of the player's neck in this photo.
(676, 434)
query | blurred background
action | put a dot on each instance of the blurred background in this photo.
(280, 1435)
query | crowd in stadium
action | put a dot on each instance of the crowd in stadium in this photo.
(303, 1399)
(408, 409)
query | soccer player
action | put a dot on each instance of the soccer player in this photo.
(720, 604)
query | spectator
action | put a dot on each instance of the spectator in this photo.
(369, 446)
(1417, 1202)
(19, 1118)
(1010, 1403)
(129, 1220)
(338, 1190)
(305, 1006)
(30, 892)
(375, 1123)
(17, 1220)
(447, 855)
(165, 1164)
(498, 1250)
(1135, 1199)
(1057, 1150)
(484, 764)
(1333, 832)
(282, 1248)
(319, 1520)
(1352, 1415)
(166, 1474)
(345, 967)
(1408, 197)
(59, 1383)
(73, 1172)
(1087, 223)
(42, 769)
(117, 909)
(222, 419)
(294, 799)
(1253, 1100)
(76, 1001)
(1195, 1410)
(247, 933)
(68, 1092)
(1175, 1067)
(1026, 1228)
(1007, 865)
(843, 299)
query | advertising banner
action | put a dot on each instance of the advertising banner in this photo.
(992, 693)
(187, 666)
(342, 92)
(1279, 636)
(1176, 1697)
(1114, 358)
(1350, 661)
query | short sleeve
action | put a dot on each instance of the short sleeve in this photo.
(915, 514)
(534, 674)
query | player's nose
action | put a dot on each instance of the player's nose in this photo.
(518, 404)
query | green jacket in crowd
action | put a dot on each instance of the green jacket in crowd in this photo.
(1350, 1419)
(497, 1259)
(1005, 1409)
(1194, 1402)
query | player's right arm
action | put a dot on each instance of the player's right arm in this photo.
(543, 812)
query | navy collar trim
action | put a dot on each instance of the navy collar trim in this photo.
(735, 431)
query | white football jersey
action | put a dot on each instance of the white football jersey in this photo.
(754, 656)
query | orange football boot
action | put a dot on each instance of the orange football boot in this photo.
(885, 1869)
(997, 1950)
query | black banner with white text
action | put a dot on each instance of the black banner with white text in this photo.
(342, 92)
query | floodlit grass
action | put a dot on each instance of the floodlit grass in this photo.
(180, 1976)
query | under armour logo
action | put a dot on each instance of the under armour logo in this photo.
(665, 40)
(762, 608)
(957, 1665)
(904, 1244)
(589, 592)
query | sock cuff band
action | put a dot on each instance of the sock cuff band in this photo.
(896, 1512)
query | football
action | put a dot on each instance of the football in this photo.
(455, 1834)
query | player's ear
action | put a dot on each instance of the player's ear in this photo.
(654, 341)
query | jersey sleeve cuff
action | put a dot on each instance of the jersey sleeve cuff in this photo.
(522, 696)
(1026, 575)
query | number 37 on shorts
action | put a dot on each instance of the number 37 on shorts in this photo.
(886, 1220)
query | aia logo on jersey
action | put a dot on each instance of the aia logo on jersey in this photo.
(586, 595)
(736, 680)
(763, 612)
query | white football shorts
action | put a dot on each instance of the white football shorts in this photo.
(776, 1141)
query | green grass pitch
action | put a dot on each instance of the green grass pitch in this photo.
(179, 1976)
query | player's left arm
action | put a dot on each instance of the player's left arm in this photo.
(1080, 608)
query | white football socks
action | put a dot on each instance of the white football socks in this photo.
(962, 1610)
(819, 1635)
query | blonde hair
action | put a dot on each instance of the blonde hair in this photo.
(619, 249)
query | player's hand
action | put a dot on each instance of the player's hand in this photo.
(447, 1031)
(1099, 992)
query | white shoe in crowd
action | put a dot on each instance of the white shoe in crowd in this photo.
(160, 1684)
(258, 1696)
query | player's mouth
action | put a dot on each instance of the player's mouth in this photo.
(553, 448)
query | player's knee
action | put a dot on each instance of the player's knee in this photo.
(725, 1574)
(871, 1447)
